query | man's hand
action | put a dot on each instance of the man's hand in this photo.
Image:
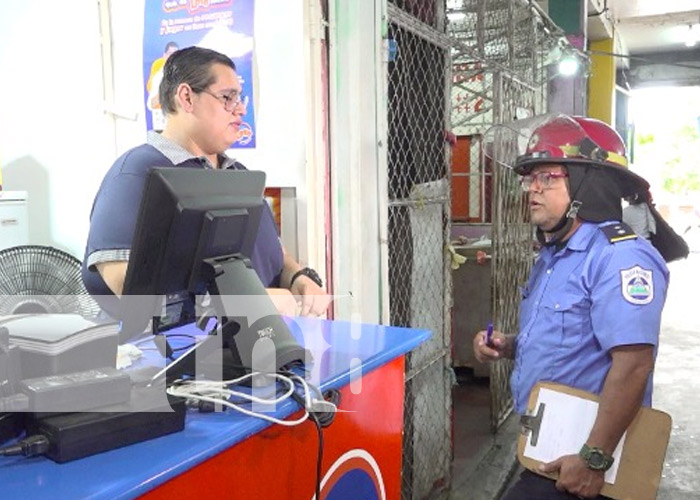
(284, 301)
(575, 477)
(312, 298)
(501, 346)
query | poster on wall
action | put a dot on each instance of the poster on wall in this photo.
(222, 25)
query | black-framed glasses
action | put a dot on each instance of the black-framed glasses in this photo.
(544, 179)
(230, 100)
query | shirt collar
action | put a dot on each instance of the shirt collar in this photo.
(177, 154)
(580, 240)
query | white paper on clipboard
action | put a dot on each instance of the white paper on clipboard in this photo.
(566, 424)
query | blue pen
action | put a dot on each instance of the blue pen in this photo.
(489, 334)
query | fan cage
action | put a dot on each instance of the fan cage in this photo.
(37, 279)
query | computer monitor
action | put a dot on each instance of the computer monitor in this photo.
(194, 237)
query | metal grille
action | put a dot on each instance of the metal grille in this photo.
(511, 239)
(418, 226)
(488, 37)
(499, 49)
(428, 12)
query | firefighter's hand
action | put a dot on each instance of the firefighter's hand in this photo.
(575, 477)
(500, 346)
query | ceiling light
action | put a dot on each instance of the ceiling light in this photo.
(568, 65)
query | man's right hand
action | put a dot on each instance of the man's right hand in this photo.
(284, 301)
(500, 346)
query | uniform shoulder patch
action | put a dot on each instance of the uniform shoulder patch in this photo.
(618, 232)
(637, 285)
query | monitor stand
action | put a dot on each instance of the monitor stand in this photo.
(261, 344)
(214, 358)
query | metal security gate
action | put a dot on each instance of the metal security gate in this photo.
(512, 236)
(417, 71)
(499, 74)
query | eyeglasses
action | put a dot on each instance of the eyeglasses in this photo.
(230, 100)
(544, 179)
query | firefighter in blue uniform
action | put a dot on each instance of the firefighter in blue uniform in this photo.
(591, 310)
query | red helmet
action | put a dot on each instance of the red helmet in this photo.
(576, 140)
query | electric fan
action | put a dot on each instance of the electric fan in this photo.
(38, 279)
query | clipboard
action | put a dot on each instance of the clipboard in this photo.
(641, 451)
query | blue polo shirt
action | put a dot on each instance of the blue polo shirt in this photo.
(116, 206)
(580, 302)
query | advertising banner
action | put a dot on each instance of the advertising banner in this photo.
(222, 25)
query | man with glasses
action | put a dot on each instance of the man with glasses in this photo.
(591, 310)
(201, 96)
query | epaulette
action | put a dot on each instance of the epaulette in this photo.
(618, 232)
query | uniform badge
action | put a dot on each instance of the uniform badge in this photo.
(637, 285)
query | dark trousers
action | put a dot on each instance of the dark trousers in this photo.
(530, 486)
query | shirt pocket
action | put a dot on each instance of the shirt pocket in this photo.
(570, 319)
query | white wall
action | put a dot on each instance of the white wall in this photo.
(55, 139)
(359, 181)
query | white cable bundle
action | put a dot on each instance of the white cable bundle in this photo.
(219, 393)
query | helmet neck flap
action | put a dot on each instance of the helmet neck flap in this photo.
(594, 156)
(595, 197)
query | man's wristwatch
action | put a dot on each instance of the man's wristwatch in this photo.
(309, 273)
(595, 458)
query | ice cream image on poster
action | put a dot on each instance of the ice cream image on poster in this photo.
(222, 39)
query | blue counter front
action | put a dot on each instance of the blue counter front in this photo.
(230, 454)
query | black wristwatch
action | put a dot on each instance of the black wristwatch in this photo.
(309, 273)
(595, 458)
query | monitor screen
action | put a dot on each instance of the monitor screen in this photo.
(194, 236)
(178, 208)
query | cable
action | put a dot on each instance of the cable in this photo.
(219, 393)
(151, 338)
(596, 14)
(29, 447)
(206, 395)
(182, 335)
(143, 340)
(603, 11)
(321, 419)
(644, 59)
(183, 348)
(198, 341)
(319, 456)
(175, 362)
